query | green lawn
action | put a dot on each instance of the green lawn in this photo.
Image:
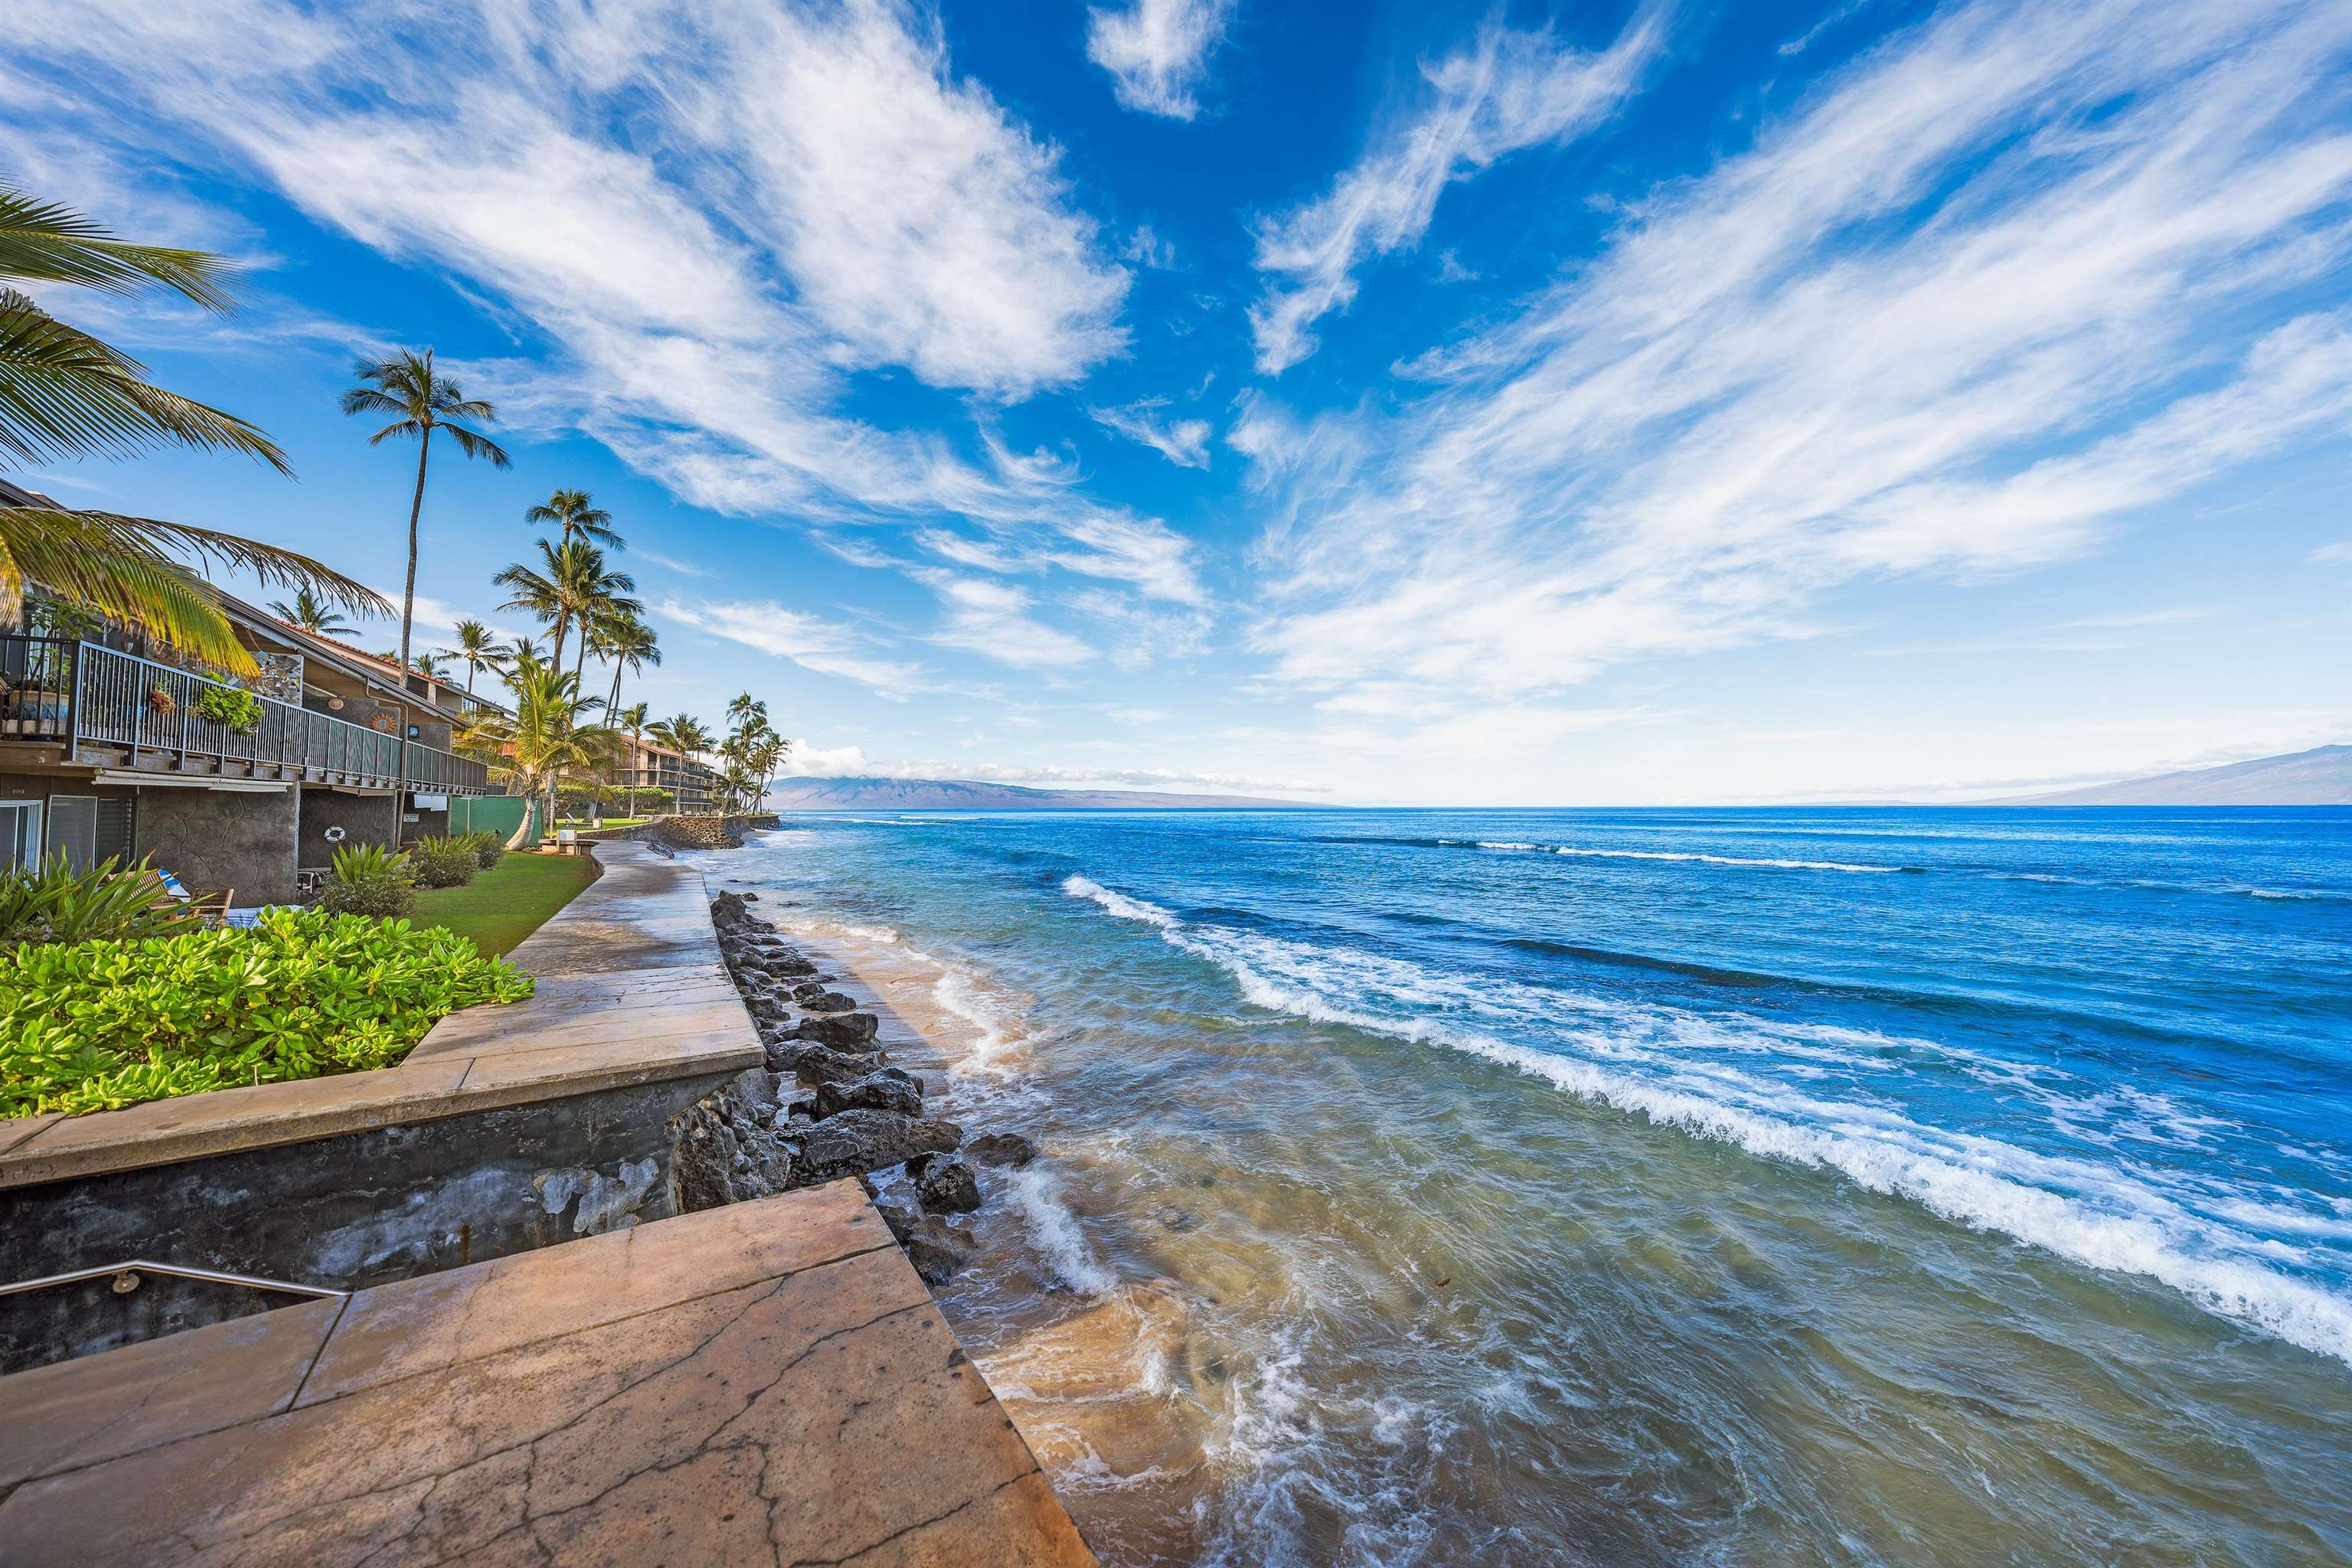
(501, 907)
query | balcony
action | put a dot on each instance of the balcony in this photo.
(109, 710)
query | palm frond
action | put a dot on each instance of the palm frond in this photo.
(53, 244)
(93, 561)
(63, 392)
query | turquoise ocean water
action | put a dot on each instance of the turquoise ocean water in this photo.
(1854, 1186)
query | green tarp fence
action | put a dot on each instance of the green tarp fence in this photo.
(499, 813)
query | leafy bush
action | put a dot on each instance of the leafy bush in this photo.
(442, 862)
(95, 1026)
(487, 847)
(53, 902)
(227, 705)
(369, 879)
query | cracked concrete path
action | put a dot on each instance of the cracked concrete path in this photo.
(765, 1383)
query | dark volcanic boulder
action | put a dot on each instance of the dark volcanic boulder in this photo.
(726, 909)
(1001, 1148)
(875, 1092)
(807, 991)
(817, 1066)
(843, 1031)
(948, 1187)
(827, 1001)
(937, 1250)
(858, 1141)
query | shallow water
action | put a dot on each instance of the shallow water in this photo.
(1847, 1187)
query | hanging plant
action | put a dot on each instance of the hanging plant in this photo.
(229, 706)
(162, 703)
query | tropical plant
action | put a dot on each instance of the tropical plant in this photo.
(570, 585)
(631, 721)
(479, 650)
(311, 612)
(230, 707)
(429, 666)
(488, 848)
(630, 645)
(369, 879)
(53, 902)
(98, 1024)
(576, 517)
(420, 401)
(549, 734)
(682, 734)
(445, 862)
(748, 757)
(65, 394)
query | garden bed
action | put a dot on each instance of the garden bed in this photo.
(98, 1025)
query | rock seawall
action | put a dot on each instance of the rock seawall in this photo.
(828, 1104)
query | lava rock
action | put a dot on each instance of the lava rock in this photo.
(858, 1141)
(827, 1001)
(817, 1066)
(1001, 1148)
(807, 991)
(843, 1031)
(872, 1092)
(948, 1187)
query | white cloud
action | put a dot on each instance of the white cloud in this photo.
(1184, 442)
(1507, 92)
(1984, 293)
(991, 619)
(714, 217)
(2334, 554)
(807, 640)
(683, 568)
(1156, 51)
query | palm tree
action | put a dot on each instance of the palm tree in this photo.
(570, 584)
(523, 648)
(742, 709)
(682, 734)
(630, 645)
(64, 393)
(429, 666)
(571, 512)
(311, 612)
(479, 648)
(547, 737)
(632, 720)
(421, 400)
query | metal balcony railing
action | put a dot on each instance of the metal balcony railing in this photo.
(87, 697)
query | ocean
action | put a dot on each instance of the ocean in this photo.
(1758, 1186)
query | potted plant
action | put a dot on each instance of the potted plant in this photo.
(162, 703)
(230, 707)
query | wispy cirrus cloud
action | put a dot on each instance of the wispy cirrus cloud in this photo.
(704, 223)
(2016, 274)
(851, 761)
(1156, 51)
(810, 641)
(1184, 442)
(1507, 92)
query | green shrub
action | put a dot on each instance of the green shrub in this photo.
(487, 847)
(53, 902)
(95, 1026)
(239, 710)
(369, 879)
(442, 862)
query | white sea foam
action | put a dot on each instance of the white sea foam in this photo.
(1679, 855)
(1055, 1229)
(991, 1016)
(1641, 1062)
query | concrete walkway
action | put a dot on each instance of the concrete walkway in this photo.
(767, 1382)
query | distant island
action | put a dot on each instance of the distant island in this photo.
(958, 794)
(2321, 777)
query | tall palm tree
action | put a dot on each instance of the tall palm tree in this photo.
(524, 649)
(429, 666)
(682, 734)
(311, 612)
(571, 512)
(420, 401)
(549, 734)
(479, 648)
(65, 394)
(742, 709)
(569, 584)
(630, 645)
(632, 722)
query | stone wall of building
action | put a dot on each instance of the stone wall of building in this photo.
(239, 839)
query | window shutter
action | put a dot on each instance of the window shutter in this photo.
(73, 827)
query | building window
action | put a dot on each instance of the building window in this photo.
(20, 832)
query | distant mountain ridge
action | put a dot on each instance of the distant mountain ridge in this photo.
(961, 795)
(2321, 777)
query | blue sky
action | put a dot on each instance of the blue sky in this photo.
(1424, 403)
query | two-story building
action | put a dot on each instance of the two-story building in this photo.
(105, 750)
